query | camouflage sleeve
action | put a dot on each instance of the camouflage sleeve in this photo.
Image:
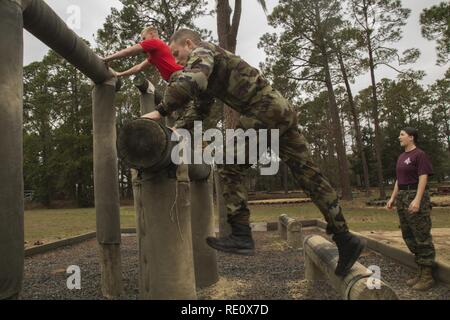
(196, 111)
(190, 83)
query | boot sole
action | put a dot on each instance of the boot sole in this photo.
(354, 258)
(242, 252)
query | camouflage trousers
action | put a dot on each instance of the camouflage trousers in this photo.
(294, 151)
(416, 227)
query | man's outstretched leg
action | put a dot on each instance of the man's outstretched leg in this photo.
(235, 194)
(294, 151)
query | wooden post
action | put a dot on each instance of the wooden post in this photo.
(165, 237)
(324, 256)
(291, 230)
(202, 213)
(281, 227)
(147, 104)
(147, 97)
(106, 187)
(11, 144)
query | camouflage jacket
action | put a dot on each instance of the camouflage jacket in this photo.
(213, 72)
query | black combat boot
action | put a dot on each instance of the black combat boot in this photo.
(240, 240)
(350, 248)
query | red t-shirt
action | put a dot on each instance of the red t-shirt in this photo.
(411, 165)
(160, 56)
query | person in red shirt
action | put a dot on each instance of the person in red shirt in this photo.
(158, 53)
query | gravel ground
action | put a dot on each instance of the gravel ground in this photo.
(275, 272)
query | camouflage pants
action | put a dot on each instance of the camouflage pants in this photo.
(416, 227)
(294, 151)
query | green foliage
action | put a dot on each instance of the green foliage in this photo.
(381, 24)
(57, 132)
(405, 102)
(57, 98)
(435, 23)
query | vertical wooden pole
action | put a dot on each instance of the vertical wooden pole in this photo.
(167, 264)
(202, 213)
(106, 187)
(11, 140)
(163, 215)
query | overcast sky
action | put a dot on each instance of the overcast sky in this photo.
(253, 26)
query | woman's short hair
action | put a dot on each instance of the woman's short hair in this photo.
(413, 132)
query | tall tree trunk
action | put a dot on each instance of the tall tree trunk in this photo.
(447, 126)
(359, 143)
(336, 124)
(227, 33)
(334, 112)
(375, 111)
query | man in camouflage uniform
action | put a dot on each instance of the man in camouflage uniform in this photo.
(214, 72)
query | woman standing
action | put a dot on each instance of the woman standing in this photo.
(413, 206)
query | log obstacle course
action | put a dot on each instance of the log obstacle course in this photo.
(321, 258)
(174, 207)
(404, 257)
(41, 21)
(173, 204)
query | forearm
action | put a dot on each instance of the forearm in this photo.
(129, 72)
(395, 191)
(117, 55)
(423, 179)
(127, 52)
(178, 95)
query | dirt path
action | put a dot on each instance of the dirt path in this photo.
(441, 239)
(275, 272)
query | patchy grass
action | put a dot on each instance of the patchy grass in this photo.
(359, 219)
(53, 224)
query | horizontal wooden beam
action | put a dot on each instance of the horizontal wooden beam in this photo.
(322, 255)
(41, 21)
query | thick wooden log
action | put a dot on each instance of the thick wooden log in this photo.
(165, 237)
(41, 21)
(106, 187)
(323, 255)
(11, 143)
(146, 144)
